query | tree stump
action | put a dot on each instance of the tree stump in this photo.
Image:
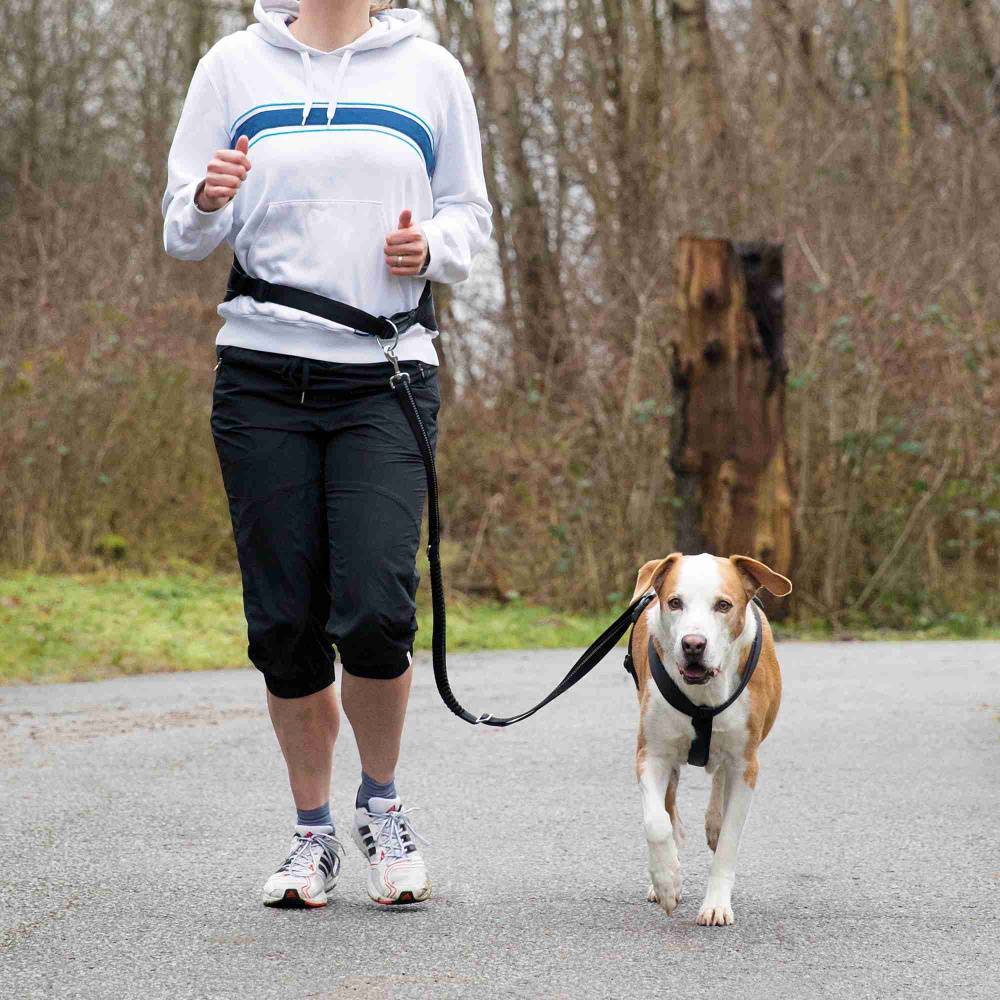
(728, 450)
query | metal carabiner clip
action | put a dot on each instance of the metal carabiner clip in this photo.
(389, 350)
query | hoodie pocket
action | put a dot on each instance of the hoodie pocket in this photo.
(330, 246)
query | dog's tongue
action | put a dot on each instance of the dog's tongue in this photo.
(693, 673)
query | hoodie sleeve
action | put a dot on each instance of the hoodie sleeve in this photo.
(462, 221)
(188, 232)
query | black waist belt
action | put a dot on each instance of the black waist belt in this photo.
(362, 323)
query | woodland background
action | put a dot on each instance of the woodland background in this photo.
(863, 135)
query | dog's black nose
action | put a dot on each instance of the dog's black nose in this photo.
(693, 645)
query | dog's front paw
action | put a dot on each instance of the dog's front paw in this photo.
(666, 888)
(717, 909)
(716, 916)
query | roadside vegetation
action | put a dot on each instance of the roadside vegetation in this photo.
(85, 627)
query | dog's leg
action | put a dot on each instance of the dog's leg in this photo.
(664, 866)
(713, 815)
(717, 910)
(671, 805)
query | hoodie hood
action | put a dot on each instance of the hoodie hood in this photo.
(388, 28)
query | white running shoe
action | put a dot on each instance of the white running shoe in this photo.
(385, 836)
(310, 870)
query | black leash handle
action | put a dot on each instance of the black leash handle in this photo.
(593, 655)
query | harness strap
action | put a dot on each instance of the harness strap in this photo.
(702, 715)
(363, 323)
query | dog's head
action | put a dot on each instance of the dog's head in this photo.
(703, 607)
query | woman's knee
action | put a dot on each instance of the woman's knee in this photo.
(293, 653)
(375, 642)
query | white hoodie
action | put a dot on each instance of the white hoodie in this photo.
(340, 143)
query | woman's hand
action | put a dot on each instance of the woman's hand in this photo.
(406, 247)
(226, 172)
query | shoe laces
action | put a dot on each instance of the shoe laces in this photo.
(393, 831)
(301, 859)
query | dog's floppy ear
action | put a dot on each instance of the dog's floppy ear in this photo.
(653, 572)
(755, 574)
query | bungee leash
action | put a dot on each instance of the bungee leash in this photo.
(598, 649)
(387, 330)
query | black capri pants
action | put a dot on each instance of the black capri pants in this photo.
(326, 491)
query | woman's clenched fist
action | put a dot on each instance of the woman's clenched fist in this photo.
(226, 172)
(406, 248)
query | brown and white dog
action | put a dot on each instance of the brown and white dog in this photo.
(703, 630)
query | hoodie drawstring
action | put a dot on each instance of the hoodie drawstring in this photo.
(308, 67)
(345, 61)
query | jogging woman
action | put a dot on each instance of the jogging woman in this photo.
(336, 151)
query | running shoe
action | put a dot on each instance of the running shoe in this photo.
(385, 836)
(309, 872)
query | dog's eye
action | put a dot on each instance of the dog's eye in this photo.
(723, 606)
(675, 604)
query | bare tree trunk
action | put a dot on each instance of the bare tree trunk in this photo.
(34, 76)
(901, 81)
(198, 21)
(627, 57)
(702, 114)
(538, 321)
(987, 64)
(728, 453)
(794, 41)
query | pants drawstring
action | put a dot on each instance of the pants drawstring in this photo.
(288, 372)
(305, 379)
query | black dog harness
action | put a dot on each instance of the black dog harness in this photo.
(387, 330)
(701, 715)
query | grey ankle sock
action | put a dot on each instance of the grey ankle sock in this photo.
(372, 789)
(315, 817)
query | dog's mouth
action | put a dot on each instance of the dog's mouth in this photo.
(696, 673)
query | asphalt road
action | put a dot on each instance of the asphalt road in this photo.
(141, 816)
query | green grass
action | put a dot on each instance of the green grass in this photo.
(67, 628)
(81, 627)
